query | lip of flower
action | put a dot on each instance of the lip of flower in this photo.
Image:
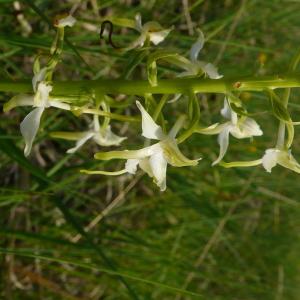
(31, 123)
(152, 159)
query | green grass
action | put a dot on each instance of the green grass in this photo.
(214, 234)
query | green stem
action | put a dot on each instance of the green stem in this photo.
(98, 112)
(286, 96)
(160, 106)
(165, 86)
(195, 117)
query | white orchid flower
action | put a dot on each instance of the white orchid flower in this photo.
(152, 159)
(40, 100)
(102, 136)
(151, 31)
(31, 123)
(240, 128)
(63, 21)
(271, 158)
(194, 66)
(284, 158)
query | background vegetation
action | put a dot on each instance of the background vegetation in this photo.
(214, 234)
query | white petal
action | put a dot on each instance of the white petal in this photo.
(131, 165)
(139, 42)
(250, 128)
(29, 127)
(42, 95)
(159, 36)
(138, 22)
(44, 89)
(226, 110)
(212, 129)
(210, 70)
(223, 140)
(81, 141)
(150, 129)
(245, 128)
(270, 158)
(158, 165)
(197, 46)
(155, 32)
(109, 138)
(59, 104)
(37, 78)
(67, 21)
(175, 98)
(145, 166)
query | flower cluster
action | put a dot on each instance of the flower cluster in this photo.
(153, 158)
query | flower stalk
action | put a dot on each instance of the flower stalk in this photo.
(164, 86)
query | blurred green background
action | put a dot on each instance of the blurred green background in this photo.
(214, 234)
